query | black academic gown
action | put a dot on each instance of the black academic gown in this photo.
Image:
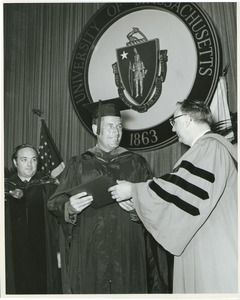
(31, 240)
(105, 251)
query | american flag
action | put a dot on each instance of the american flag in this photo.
(50, 159)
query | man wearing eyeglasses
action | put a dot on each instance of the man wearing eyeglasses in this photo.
(192, 211)
(188, 132)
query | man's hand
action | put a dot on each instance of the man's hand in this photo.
(126, 205)
(121, 191)
(78, 202)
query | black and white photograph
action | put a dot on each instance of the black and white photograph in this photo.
(120, 149)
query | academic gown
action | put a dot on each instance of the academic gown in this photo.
(31, 240)
(193, 213)
(106, 249)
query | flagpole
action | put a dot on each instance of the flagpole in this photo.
(40, 114)
(225, 70)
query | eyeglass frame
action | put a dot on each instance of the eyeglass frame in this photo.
(172, 120)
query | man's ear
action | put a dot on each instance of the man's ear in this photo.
(94, 129)
(15, 162)
(188, 120)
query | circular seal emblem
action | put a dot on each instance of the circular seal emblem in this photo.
(150, 55)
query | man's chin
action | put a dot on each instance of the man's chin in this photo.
(114, 145)
(30, 174)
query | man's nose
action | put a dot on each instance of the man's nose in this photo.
(115, 130)
(173, 128)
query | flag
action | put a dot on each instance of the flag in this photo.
(222, 122)
(50, 158)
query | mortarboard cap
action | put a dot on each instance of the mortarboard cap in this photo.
(103, 108)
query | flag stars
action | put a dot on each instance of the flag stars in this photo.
(47, 152)
(124, 55)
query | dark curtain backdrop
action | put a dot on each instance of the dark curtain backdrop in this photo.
(39, 40)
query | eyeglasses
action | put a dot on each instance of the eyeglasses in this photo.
(172, 120)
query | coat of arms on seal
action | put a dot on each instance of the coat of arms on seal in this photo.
(137, 52)
(140, 71)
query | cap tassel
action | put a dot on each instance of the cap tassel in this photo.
(99, 117)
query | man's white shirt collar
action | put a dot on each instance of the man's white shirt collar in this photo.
(24, 179)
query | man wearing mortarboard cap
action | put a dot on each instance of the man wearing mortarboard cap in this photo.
(106, 243)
